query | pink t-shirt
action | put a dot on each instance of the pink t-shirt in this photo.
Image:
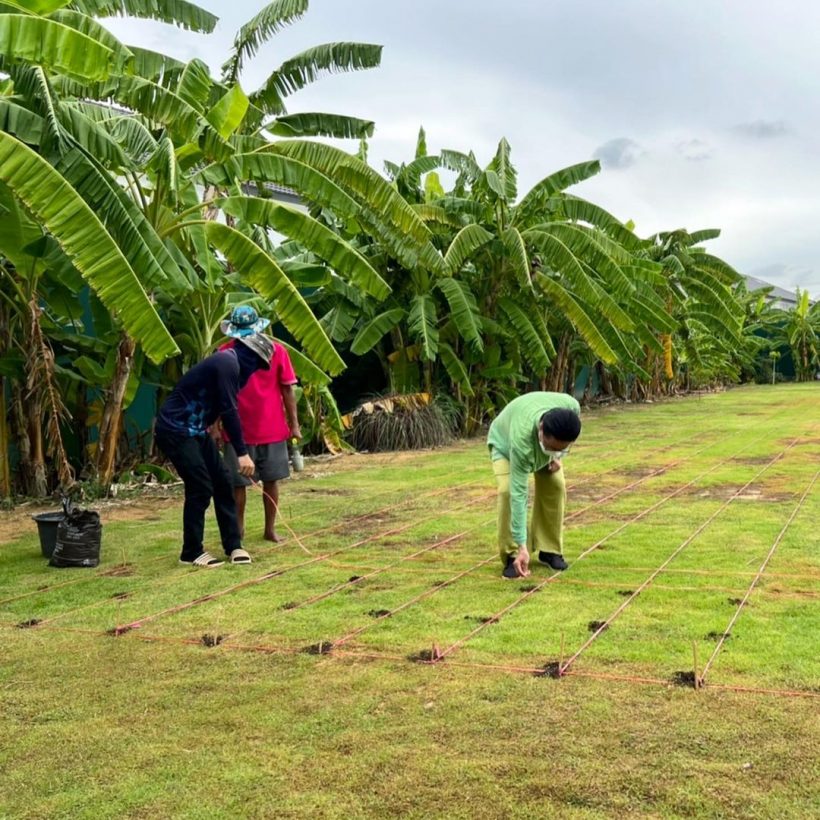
(261, 407)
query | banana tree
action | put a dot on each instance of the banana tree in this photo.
(698, 293)
(801, 330)
(141, 167)
(514, 272)
(42, 146)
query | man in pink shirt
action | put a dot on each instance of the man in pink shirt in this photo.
(267, 413)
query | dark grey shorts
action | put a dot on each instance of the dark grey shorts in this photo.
(271, 462)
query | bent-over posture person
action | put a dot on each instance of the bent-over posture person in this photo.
(531, 435)
(267, 412)
(205, 393)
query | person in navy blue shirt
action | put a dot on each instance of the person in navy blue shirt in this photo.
(207, 392)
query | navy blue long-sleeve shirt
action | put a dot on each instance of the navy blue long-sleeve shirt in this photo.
(205, 393)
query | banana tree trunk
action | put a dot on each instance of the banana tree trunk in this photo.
(568, 382)
(604, 379)
(110, 424)
(667, 356)
(39, 484)
(557, 371)
(32, 479)
(5, 444)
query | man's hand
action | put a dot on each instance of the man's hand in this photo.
(296, 431)
(522, 562)
(554, 466)
(246, 466)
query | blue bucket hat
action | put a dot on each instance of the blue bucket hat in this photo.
(244, 321)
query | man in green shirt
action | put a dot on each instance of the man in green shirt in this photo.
(531, 435)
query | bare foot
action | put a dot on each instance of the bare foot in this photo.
(272, 536)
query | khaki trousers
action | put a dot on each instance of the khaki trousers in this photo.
(546, 528)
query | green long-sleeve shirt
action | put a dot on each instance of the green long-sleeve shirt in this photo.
(514, 436)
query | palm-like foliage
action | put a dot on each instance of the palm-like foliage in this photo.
(108, 148)
(514, 273)
(297, 72)
(801, 331)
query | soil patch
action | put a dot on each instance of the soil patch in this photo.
(210, 640)
(734, 601)
(328, 491)
(478, 618)
(550, 670)
(321, 648)
(28, 624)
(116, 631)
(353, 578)
(727, 491)
(379, 613)
(528, 587)
(377, 518)
(426, 655)
(121, 596)
(716, 636)
(290, 605)
(641, 472)
(594, 626)
(684, 679)
(625, 593)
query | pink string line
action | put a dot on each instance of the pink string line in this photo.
(346, 522)
(385, 656)
(343, 522)
(483, 563)
(277, 573)
(426, 594)
(352, 582)
(202, 599)
(627, 601)
(161, 582)
(757, 578)
(495, 618)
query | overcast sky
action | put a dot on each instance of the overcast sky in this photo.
(704, 113)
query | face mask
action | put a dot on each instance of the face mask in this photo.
(555, 455)
(249, 363)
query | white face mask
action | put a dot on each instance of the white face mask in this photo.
(555, 455)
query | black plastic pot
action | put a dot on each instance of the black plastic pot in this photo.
(47, 524)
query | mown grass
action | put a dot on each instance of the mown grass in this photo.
(395, 558)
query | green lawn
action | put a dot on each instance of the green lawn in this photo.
(113, 706)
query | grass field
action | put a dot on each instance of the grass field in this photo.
(375, 664)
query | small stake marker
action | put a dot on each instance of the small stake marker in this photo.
(695, 664)
(561, 655)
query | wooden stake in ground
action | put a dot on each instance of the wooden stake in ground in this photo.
(695, 664)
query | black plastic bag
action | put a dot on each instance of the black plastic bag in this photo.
(79, 537)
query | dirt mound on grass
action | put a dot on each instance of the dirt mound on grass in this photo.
(549, 670)
(321, 648)
(684, 679)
